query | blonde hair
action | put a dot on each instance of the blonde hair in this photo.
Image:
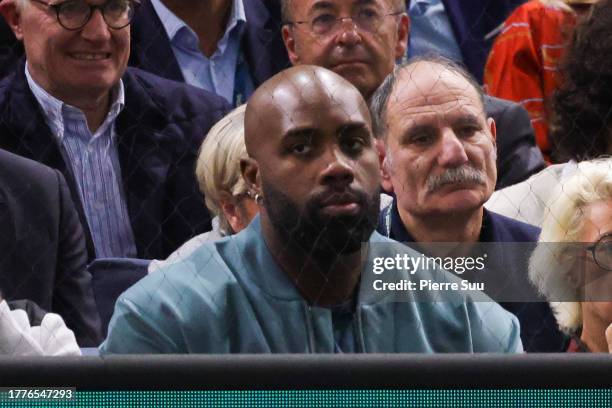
(218, 166)
(549, 268)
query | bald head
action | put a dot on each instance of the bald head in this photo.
(313, 161)
(297, 97)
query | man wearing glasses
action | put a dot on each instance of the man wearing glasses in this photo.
(125, 140)
(362, 39)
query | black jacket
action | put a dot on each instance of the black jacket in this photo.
(42, 246)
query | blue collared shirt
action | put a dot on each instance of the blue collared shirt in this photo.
(226, 72)
(94, 162)
(431, 31)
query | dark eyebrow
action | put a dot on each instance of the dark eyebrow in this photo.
(425, 128)
(467, 119)
(300, 133)
(350, 127)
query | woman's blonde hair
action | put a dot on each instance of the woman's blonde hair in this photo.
(549, 267)
(218, 166)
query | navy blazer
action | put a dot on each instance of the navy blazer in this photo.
(42, 248)
(262, 43)
(539, 330)
(159, 133)
(474, 23)
(11, 50)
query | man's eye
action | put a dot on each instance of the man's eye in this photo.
(72, 7)
(367, 14)
(353, 144)
(323, 20)
(117, 6)
(301, 148)
(422, 139)
(467, 131)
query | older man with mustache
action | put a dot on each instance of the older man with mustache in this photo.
(439, 163)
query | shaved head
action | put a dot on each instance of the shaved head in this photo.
(300, 89)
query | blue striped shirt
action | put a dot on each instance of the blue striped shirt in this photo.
(94, 162)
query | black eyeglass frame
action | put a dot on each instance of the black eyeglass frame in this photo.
(340, 19)
(92, 8)
(592, 249)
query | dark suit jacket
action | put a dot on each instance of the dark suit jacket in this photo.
(518, 157)
(262, 43)
(159, 132)
(43, 250)
(539, 331)
(11, 50)
(472, 21)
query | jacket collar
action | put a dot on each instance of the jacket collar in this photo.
(261, 270)
(150, 44)
(490, 231)
(262, 42)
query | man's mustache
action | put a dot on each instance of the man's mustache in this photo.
(458, 175)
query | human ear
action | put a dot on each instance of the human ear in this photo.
(250, 173)
(289, 40)
(384, 160)
(12, 15)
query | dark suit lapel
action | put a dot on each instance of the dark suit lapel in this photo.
(151, 49)
(262, 43)
(145, 156)
(27, 134)
(460, 13)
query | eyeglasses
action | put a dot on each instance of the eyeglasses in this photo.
(602, 252)
(75, 14)
(368, 19)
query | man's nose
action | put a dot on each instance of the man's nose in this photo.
(96, 28)
(338, 171)
(348, 33)
(452, 151)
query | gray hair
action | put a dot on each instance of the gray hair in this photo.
(380, 99)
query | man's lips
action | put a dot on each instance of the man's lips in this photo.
(348, 63)
(341, 204)
(90, 56)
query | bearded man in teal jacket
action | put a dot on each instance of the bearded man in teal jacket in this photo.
(305, 276)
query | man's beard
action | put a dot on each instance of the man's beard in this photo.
(314, 232)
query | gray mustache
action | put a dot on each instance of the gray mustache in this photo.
(463, 174)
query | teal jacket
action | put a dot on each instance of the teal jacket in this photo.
(230, 296)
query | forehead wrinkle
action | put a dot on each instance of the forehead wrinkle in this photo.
(434, 81)
(424, 108)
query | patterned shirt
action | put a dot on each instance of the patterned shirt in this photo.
(94, 162)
